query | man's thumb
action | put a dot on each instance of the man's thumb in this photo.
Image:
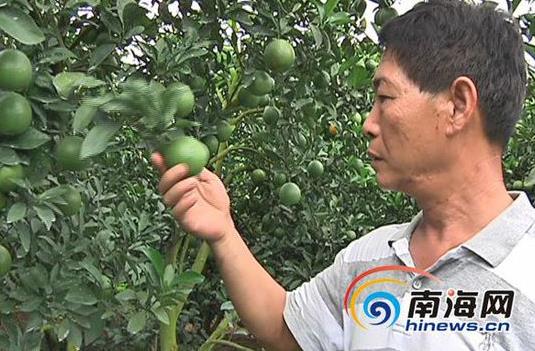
(158, 162)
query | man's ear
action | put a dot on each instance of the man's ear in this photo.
(464, 99)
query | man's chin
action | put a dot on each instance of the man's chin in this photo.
(386, 184)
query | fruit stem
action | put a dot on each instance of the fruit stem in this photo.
(168, 339)
(222, 328)
(231, 344)
(183, 250)
(237, 120)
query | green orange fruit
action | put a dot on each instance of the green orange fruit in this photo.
(15, 70)
(188, 150)
(15, 114)
(279, 55)
(68, 153)
(271, 115)
(258, 176)
(197, 83)
(518, 184)
(315, 168)
(290, 194)
(351, 235)
(224, 131)
(73, 201)
(262, 83)
(384, 15)
(247, 98)
(9, 174)
(212, 143)
(183, 98)
(263, 100)
(279, 179)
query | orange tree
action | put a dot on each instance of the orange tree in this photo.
(276, 91)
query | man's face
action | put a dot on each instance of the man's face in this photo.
(406, 128)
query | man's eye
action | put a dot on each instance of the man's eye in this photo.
(383, 97)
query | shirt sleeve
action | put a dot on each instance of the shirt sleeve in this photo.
(313, 311)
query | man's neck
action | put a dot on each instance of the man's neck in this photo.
(455, 217)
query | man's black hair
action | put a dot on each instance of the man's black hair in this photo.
(438, 41)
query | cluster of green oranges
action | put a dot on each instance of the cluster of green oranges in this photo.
(15, 119)
(289, 192)
(279, 56)
(15, 114)
(16, 73)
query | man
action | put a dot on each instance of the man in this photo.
(449, 91)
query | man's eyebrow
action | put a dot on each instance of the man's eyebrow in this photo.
(378, 80)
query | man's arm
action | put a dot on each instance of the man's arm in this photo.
(258, 299)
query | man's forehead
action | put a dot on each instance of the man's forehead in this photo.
(381, 79)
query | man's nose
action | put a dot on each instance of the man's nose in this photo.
(370, 126)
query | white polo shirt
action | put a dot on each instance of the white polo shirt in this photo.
(500, 258)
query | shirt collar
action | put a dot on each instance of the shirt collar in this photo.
(494, 242)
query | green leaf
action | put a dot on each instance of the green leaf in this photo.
(515, 5)
(186, 123)
(81, 295)
(330, 6)
(155, 258)
(94, 271)
(46, 215)
(75, 335)
(97, 139)
(31, 305)
(321, 9)
(56, 55)
(100, 54)
(30, 139)
(168, 275)
(66, 82)
(194, 53)
(137, 322)
(339, 18)
(16, 212)
(530, 179)
(126, 295)
(20, 26)
(52, 193)
(97, 327)
(62, 330)
(83, 116)
(318, 37)
(121, 4)
(358, 76)
(189, 279)
(161, 313)
(227, 306)
(8, 156)
(25, 237)
(92, 3)
(111, 21)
